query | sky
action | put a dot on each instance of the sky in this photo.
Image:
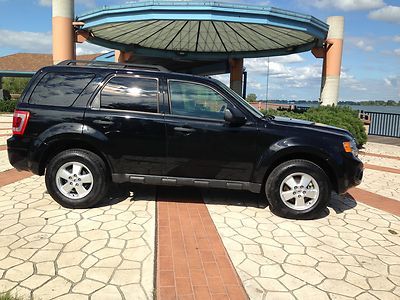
(371, 57)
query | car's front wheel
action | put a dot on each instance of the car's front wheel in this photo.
(77, 178)
(298, 189)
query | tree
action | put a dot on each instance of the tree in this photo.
(251, 97)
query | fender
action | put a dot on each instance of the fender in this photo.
(292, 147)
(65, 135)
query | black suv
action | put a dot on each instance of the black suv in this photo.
(86, 124)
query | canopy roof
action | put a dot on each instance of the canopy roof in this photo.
(203, 29)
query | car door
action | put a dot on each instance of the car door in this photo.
(200, 144)
(125, 119)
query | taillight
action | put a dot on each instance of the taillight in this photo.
(20, 120)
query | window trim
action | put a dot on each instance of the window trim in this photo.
(195, 83)
(97, 106)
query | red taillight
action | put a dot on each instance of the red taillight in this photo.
(20, 120)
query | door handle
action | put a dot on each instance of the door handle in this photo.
(103, 122)
(186, 130)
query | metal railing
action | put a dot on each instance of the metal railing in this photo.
(384, 124)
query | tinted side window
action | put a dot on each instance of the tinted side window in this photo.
(195, 100)
(60, 89)
(131, 93)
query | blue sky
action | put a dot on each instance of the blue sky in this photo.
(371, 59)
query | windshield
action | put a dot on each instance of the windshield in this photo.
(231, 92)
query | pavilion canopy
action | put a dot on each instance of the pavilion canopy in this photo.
(203, 30)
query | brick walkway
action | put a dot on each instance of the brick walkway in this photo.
(192, 261)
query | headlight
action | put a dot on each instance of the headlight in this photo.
(351, 146)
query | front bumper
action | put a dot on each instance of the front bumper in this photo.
(353, 170)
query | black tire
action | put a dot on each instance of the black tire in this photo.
(280, 173)
(93, 163)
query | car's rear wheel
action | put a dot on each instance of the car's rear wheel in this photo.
(77, 178)
(298, 189)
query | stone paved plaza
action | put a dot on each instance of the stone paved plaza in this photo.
(50, 252)
(352, 251)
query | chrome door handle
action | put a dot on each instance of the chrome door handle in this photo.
(184, 129)
(103, 122)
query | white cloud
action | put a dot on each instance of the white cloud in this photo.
(347, 5)
(361, 43)
(388, 13)
(349, 81)
(397, 51)
(87, 3)
(40, 42)
(393, 81)
(87, 48)
(396, 38)
(26, 41)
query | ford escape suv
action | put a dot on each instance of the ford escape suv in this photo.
(84, 125)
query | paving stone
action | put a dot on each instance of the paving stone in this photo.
(332, 270)
(380, 283)
(307, 274)
(357, 280)
(100, 274)
(35, 281)
(67, 259)
(124, 277)
(45, 268)
(52, 289)
(270, 284)
(299, 259)
(87, 287)
(310, 292)
(20, 272)
(340, 287)
(271, 271)
(250, 267)
(109, 292)
(73, 274)
(135, 292)
(6, 285)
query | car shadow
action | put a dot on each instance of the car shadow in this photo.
(134, 192)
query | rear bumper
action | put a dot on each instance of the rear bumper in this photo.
(352, 174)
(18, 155)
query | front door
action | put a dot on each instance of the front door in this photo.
(200, 144)
(126, 115)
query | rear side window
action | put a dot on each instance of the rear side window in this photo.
(60, 89)
(131, 93)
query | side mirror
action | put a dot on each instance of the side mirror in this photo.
(234, 117)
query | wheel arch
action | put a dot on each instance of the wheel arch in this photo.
(310, 156)
(60, 145)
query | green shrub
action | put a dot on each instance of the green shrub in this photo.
(342, 117)
(8, 105)
(15, 85)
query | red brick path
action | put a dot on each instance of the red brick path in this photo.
(384, 169)
(192, 262)
(386, 204)
(380, 155)
(11, 176)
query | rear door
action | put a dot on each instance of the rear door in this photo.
(125, 116)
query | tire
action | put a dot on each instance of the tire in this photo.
(87, 188)
(289, 198)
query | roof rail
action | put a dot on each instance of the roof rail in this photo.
(102, 64)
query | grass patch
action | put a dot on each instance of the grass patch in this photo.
(8, 296)
(8, 106)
